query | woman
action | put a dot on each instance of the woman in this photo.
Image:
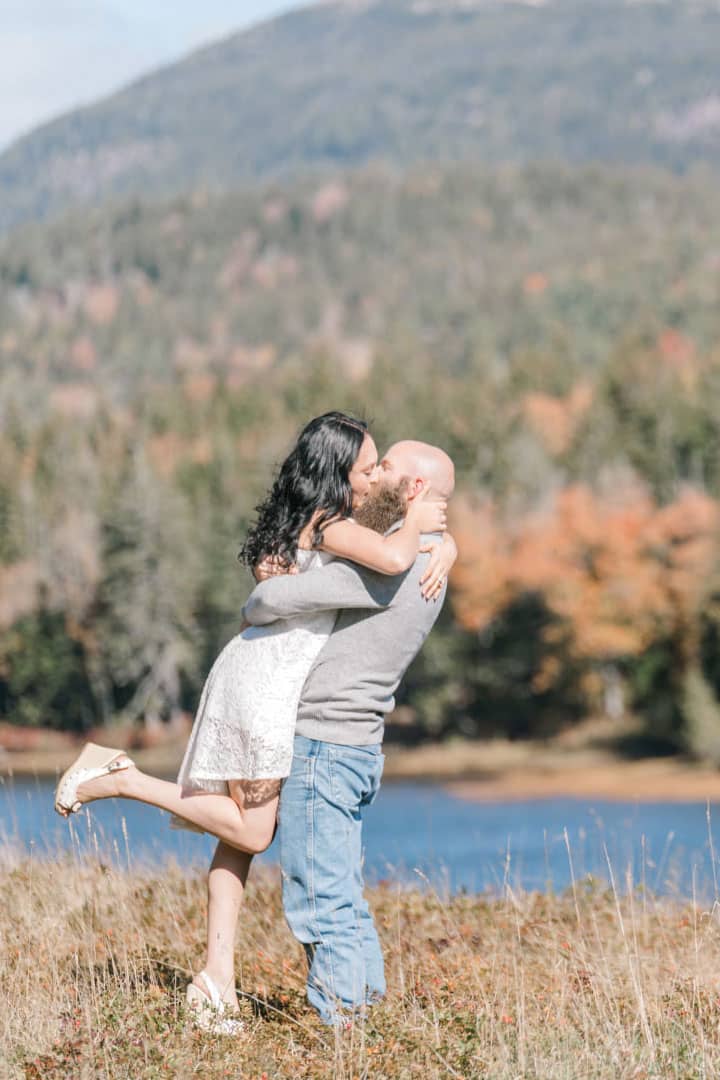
(241, 744)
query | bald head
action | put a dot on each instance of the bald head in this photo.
(418, 461)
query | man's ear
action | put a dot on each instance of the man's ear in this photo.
(414, 487)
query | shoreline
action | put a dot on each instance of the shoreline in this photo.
(492, 771)
(499, 771)
(648, 781)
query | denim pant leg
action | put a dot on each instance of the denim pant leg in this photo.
(320, 822)
(372, 953)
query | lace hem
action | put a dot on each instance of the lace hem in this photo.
(235, 755)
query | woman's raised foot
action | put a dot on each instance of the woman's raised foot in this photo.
(93, 775)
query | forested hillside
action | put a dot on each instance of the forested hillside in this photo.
(400, 81)
(547, 269)
(453, 218)
(557, 330)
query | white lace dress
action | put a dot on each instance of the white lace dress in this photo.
(245, 722)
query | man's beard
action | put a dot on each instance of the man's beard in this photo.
(383, 507)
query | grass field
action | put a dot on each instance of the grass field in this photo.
(591, 983)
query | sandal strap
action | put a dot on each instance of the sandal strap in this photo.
(66, 796)
(210, 1011)
(213, 993)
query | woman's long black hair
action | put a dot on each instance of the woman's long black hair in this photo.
(314, 476)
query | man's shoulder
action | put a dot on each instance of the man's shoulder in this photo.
(428, 538)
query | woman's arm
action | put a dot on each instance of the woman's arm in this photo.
(337, 586)
(443, 555)
(386, 554)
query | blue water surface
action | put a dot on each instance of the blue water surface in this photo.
(421, 834)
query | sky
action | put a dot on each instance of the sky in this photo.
(58, 54)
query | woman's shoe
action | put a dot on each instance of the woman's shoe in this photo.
(209, 1011)
(93, 761)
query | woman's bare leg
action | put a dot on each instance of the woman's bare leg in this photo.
(226, 887)
(244, 822)
(248, 827)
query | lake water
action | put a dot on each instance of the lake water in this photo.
(419, 833)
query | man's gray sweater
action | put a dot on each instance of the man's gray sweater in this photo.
(381, 625)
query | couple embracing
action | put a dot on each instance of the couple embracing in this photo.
(352, 566)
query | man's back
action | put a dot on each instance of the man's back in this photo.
(382, 622)
(351, 686)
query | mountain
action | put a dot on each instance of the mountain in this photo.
(402, 81)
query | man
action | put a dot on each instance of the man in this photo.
(338, 762)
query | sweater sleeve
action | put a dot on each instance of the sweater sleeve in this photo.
(335, 586)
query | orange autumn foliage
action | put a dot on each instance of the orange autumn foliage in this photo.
(83, 354)
(481, 580)
(199, 387)
(535, 284)
(74, 400)
(554, 420)
(675, 346)
(329, 200)
(101, 303)
(19, 584)
(619, 571)
(167, 452)
(679, 357)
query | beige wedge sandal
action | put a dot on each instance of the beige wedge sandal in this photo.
(92, 762)
(208, 1009)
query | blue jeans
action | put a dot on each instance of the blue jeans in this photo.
(321, 812)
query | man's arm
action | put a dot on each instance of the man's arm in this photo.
(334, 586)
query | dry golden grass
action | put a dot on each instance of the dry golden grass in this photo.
(94, 960)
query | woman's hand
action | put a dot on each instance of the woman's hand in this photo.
(430, 515)
(442, 559)
(271, 566)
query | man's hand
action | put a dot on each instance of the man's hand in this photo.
(271, 566)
